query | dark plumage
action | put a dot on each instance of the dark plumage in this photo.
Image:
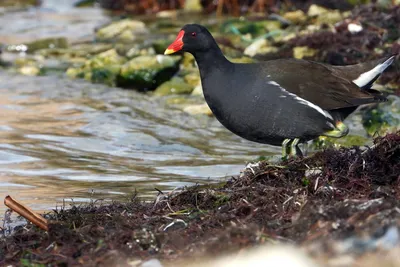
(282, 100)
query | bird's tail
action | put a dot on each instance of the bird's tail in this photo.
(367, 78)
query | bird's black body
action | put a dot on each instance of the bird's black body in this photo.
(271, 101)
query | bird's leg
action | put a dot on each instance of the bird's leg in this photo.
(285, 147)
(294, 148)
(340, 130)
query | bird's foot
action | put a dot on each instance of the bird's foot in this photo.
(290, 148)
(340, 130)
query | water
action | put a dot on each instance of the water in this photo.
(64, 139)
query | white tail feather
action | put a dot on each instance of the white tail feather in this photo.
(366, 77)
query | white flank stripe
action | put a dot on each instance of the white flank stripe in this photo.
(366, 77)
(302, 101)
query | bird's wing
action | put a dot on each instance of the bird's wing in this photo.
(318, 83)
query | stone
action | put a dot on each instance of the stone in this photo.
(261, 46)
(201, 109)
(29, 70)
(300, 52)
(59, 42)
(175, 86)
(124, 31)
(326, 16)
(198, 90)
(193, 5)
(147, 72)
(102, 68)
(383, 118)
(296, 17)
(192, 78)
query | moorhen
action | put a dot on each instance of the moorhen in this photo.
(279, 102)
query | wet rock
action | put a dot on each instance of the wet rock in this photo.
(102, 68)
(188, 61)
(230, 52)
(270, 25)
(152, 263)
(106, 75)
(249, 27)
(260, 46)
(161, 44)
(147, 72)
(74, 73)
(167, 14)
(29, 70)
(139, 50)
(303, 51)
(174, 86)
(242, 60)
(383, 118)
(192, 78)
(324, 15)
(198, 91)
(126, 30)
(39, 44)
(104, 59)
(296, 17)
(19, 3)
(29, 65)
(201, 109)
(193, 5)
(84, 3)
(386, 4)
(350, 140)
(81, 50)
(177, 101)
(253, 49)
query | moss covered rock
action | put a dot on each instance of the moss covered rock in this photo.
(296, 17)
(104, 59)
(250, 27)
(161, 44)
(173, 87)
(200, 109)
(260, 47)
(102, 68)
(30, 70)
(192, 78)
(303, 51)
(126, 30)
(147, 72)
(383, 118)
(46, 43)
(81, 50)
(326, 16)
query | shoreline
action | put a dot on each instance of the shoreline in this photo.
(335, 203)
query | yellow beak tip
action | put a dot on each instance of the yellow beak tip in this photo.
(169, 51)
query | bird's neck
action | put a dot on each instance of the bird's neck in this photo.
(211, 61)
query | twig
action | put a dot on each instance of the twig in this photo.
(27, 213)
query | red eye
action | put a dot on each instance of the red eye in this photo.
(193, 34)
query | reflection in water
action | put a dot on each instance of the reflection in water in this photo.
(63, 139)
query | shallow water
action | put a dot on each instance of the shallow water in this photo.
(64, 139)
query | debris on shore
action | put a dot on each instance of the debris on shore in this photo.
(336, 204)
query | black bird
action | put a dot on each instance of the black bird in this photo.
(279, 102)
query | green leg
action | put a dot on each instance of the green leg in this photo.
(294, 147)
(340, 131)
(285, 147)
